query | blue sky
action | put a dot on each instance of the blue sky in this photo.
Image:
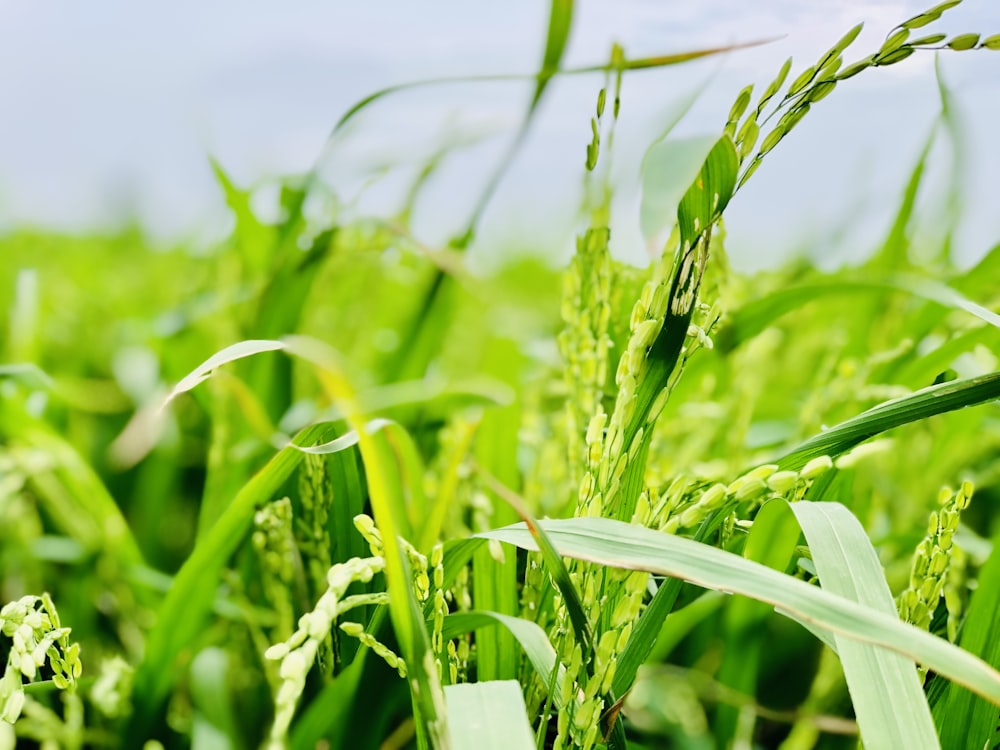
(113, 107)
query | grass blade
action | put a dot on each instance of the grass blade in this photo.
(488, 716)
(623, 545)
(928, 402)
(888, 698)
(532, 638)
(755, 316)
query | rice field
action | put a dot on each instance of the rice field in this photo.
(326, 486)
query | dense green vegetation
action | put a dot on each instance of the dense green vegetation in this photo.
(286, 493)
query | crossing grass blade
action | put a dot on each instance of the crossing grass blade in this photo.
(623, 545)
(392, 477)
(488, 716)
(532, 639)
(755, 316)
(888, 699)
(928, 402)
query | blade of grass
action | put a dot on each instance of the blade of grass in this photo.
(623, 545)
(488, 716)
(754, 317)
(888, 699)
(928, 402)
(641, 63)
(532, 638)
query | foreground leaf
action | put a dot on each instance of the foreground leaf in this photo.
(488, 716)
(623, 545)
(532, 638)
(888, 698)
(928, 402)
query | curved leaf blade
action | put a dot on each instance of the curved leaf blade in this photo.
(623, 545)
(889, 701)
(928, 402)
(488, 716)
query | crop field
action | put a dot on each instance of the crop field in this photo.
(326, 486)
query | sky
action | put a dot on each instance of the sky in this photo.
(114, 108)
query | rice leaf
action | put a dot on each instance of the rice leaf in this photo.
(488, 716)
(888, 697)
(928, 402)
(532, 638)
(495, 582)
(669, 166)
(623, 545)
(755, 316)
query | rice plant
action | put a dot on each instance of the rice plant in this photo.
(399, 504)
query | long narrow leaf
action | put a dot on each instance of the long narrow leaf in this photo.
(888, 698)
(631, 547)
(532, 638)
(488, 716)
(928, 402)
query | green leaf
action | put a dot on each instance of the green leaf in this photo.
(216, 723)
(928, 402)
(963, 719)
(488, 716)
(754, 317)
(888, 698)
(623, 545)
(709, 194)
(232, 353)
(560, 23)
(532, 638)
(669, 167)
